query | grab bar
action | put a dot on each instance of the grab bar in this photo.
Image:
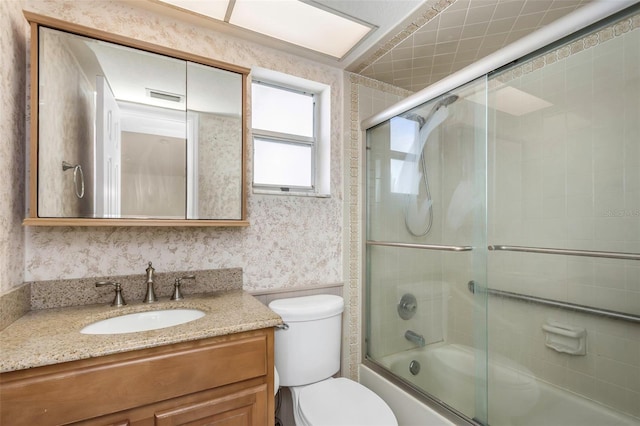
(557, 304)
(568, 252)
(420, 246)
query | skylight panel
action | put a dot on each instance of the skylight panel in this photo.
(216, 9)
(300, 23)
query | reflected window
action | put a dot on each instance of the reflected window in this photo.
(403, 161)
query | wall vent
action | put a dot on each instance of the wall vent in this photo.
(165, 96)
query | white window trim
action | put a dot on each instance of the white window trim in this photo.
(322, 145)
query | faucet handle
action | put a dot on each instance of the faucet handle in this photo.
(150, 271)
(177, 294)
(118, 300)
(150, 295)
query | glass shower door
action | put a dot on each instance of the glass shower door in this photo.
(426, 242)
(564, 211)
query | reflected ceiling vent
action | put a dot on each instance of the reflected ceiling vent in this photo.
(165, 96)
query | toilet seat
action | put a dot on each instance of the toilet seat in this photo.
(340, 402)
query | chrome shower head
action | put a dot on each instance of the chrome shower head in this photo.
(415, 117)
(447, 101)
(444, 102)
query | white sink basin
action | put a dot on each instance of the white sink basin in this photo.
(143, 321)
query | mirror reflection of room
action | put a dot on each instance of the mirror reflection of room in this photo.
(146, 135)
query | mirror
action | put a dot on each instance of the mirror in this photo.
(131, 134)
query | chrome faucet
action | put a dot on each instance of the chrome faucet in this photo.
(150, 297)
(414, 337)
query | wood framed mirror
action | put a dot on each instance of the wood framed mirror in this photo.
(127, 133)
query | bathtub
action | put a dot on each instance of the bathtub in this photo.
(516, 397)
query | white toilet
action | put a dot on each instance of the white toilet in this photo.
(307, 354)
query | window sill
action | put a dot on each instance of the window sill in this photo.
(290, 193)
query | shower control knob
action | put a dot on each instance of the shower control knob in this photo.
(407, 306)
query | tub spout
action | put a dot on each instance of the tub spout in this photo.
(414, 337)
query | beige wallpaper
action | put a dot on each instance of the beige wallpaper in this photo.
(292, 241)
(219, 190)
(13, 34)
(66, 124)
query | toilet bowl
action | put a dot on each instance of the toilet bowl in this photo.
(307, 355)
(339, 402)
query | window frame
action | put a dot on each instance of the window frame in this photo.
(288, 138)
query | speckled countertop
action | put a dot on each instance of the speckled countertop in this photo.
(51, 336)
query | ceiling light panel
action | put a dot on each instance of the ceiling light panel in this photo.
(511, 100)
(216, 9)
(300, 23)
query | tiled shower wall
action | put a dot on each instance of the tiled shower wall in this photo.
(364, 98)
(396, 272)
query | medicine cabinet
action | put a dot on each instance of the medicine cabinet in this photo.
(127, 133)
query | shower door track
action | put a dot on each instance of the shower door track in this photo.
(567, 252)
(420, 246)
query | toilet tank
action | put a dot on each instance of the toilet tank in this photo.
(309, 350)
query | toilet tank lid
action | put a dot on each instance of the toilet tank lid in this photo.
(307, 308)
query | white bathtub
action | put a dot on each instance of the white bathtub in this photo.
(516, 397)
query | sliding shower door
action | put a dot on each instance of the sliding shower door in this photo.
(564, 223)
(426, 242)
(503, 238)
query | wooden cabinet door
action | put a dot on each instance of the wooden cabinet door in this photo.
(247, 407)
(94, 390)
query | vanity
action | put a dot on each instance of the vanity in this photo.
(127, 133)
(217, 369)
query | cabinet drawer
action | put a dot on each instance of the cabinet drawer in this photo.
(245, 408)
(91, 388)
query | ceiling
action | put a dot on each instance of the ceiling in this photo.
(463, 33)
(134, 76)
(415, 42)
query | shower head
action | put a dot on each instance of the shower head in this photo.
(444, 102)
(447, 101)
(415, 117)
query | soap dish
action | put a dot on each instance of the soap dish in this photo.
(565, 338)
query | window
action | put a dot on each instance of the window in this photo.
(290, 132)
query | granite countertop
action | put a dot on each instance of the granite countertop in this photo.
(51, 336)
